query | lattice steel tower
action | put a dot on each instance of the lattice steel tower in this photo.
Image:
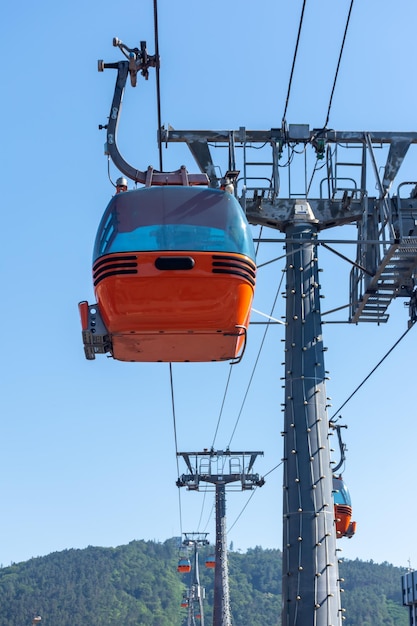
(196, 592)
(383, 269)
(220, 468)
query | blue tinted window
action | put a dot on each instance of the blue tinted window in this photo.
(341, 493)
(174, 218)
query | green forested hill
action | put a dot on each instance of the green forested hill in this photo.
(138, 585)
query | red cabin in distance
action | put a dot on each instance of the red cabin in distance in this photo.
(211, 562)
(342, 509)
(184, 566)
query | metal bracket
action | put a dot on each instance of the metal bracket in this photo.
(139, 60)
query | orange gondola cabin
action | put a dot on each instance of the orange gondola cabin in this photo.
(342, 509)
(174, 276)
(184, 566)
(211, 561)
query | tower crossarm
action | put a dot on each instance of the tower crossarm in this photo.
(220, 467)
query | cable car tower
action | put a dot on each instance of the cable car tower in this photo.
(193, 599)
(383, 269)
(220, 468)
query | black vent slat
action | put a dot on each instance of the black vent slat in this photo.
(112, 259)
(114, 266)
(244, 261)
(114, 273)
(235, 273)
(235, 266)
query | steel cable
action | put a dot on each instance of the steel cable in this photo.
(370, 373)
(175, 439)
(338, 64)
(293, 62)
(256, 362)
(158, 84)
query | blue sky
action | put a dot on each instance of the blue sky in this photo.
(87, 454)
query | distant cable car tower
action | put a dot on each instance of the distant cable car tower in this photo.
(409, 589)
(220, 468)
(193, 598)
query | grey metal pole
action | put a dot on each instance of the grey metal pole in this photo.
(221, 609)
(197, 586)
(310, 589)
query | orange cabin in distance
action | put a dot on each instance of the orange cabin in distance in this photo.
(211, 562)
(184, 566)
(174, 276)
(342, 509)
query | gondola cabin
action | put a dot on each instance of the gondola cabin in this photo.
(342, 509)
(174, 276)
(184, 566)
(184, 604)
(211, 562)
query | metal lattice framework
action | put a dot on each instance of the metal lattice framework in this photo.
(386, 242)
(384, 269)
(195, 594)
(220, 468)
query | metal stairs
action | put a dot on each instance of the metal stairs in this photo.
(393, 278)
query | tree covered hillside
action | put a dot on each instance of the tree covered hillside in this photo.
(138, 585)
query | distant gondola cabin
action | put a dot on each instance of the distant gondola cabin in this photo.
(211, 562)
(174, 276)
(342, 509)
(184, 566)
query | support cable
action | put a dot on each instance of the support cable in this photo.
(202, 510)
(273, 469)
(256, 362)
(338, 64)
(221, 409)
(251, 496)
(159, 120)
(247, 390)
(158, 105)
(370, 373)
(158, 83)
(316, 168)
(209, 517)
(241, 513)
(293, 62)
(175, 439)
(230, 371)
(259, 241)
(244, 400)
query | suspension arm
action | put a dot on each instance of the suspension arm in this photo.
(151, 176)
